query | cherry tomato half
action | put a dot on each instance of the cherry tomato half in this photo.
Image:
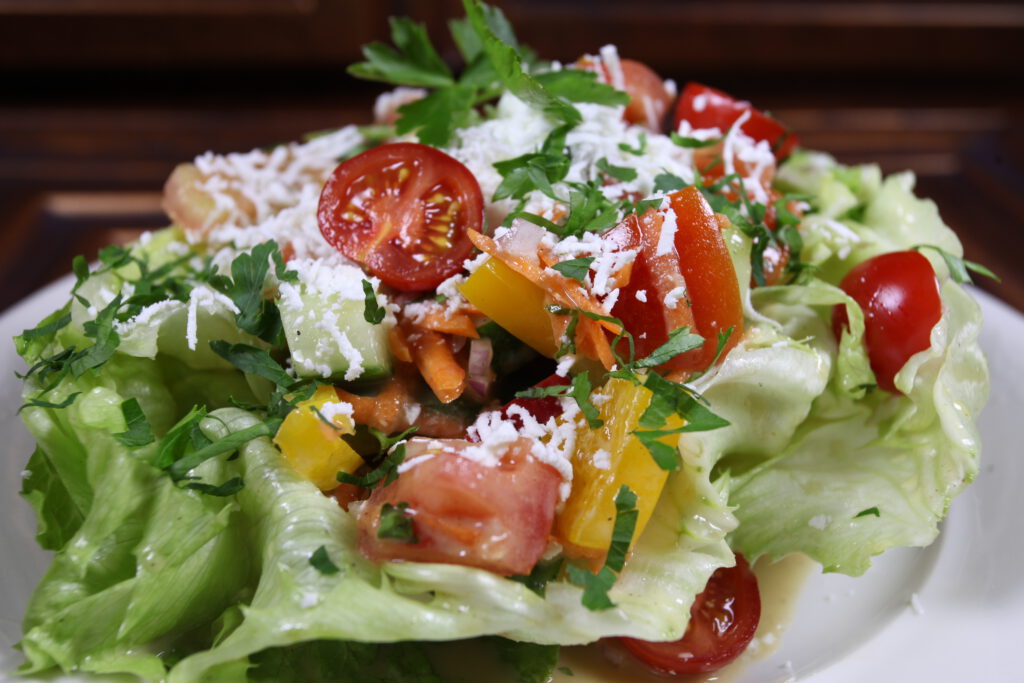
(402, 210)
(706, 107)
(723, 620)
(900, 298)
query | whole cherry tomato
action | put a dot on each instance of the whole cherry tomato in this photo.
(900, 298)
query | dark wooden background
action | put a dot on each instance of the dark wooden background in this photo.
(100, 99)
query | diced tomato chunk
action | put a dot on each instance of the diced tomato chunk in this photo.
(541, 409)
(464, 512)
(705, 107)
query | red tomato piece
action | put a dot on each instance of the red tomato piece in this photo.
(900, 298)
(541, 409)
(648, 99)
(641, 303)
(700, 264)
(494, 518)
(402, 210)
(711, 284)
(706, 107)
(723, 620)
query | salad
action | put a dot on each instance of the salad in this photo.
(546, 356)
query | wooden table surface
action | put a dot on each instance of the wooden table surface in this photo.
(84, 151)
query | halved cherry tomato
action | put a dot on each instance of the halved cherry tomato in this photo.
(494, 518)
(723, 620)
(706, 107)
(402, 210)
(900, 298)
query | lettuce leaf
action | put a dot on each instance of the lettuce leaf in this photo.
(294, 602)
(863, 470)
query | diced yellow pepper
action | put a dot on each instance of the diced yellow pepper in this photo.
(314, 448)
(586, 522)
(513, 302)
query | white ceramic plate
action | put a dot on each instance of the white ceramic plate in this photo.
(950, 612)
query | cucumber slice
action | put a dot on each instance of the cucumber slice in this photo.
(328, 336)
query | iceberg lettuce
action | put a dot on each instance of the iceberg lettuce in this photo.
(163, 581)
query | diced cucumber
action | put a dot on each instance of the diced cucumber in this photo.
(329, 338)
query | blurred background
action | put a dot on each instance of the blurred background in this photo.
(99, 99)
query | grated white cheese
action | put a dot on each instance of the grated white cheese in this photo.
(819, 522)
(667, 237)
(552, 442)
(202, 295)
(673, 297)
(332, 409)
(413, 462)
(261, 195)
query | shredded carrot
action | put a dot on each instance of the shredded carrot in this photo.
(438, 319)
(383, 411)
(562, 290)
(592, 342)
(398, 345)
(436, 362)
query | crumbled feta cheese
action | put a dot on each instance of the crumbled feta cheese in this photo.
(552, 442)
(819, 522)
(673, 297)
(333, 409)
(601, 459)
(565, 364)
(915, 604)
(667, 237)
(641, 295)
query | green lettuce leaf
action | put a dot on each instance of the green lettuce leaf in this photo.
(294, 602)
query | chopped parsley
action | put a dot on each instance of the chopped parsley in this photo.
(373, 313)
(396, 523)
(959, 269)
(139, 432)
(624, 173)
(575, 269)
(870, 511)
(321, 561)
(596, 586)
(228, 488)
(692, 143)
(382, 475)
(542, 573)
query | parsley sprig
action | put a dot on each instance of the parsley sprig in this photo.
(494, 61)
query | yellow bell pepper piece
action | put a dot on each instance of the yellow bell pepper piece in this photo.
(314, 448)
(584, 527)
(513, 302)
